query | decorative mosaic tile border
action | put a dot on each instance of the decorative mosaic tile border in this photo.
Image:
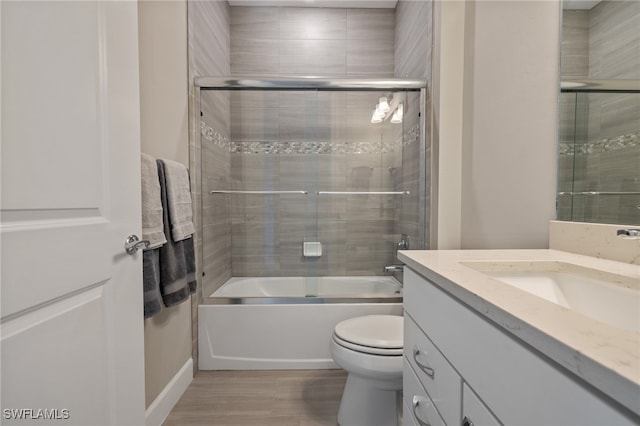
(604, 145)
(212, 135)
(306, 147)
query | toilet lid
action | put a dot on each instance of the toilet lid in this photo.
(375, 331)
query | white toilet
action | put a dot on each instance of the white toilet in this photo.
(369, 348)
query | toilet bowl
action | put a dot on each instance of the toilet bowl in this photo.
(369, 348)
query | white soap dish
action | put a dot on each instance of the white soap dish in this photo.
(312, 249)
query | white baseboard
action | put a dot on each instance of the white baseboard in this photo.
(160, 408)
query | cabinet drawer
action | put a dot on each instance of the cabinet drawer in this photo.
(438, 377)
(407, 415)
(428, 306)
(474, 412)
(417, 405)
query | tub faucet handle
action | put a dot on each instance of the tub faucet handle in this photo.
(404, 242)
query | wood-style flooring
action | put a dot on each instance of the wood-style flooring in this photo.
(261, 398)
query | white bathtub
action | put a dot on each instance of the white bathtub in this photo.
(290, 287)
(285, 323)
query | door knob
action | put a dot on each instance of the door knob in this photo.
(132, 244)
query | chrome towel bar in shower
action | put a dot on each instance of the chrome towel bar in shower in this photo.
(362, 192)
(259, 192)
(317, 192)
(599, 193)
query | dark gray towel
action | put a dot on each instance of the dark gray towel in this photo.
(151, 282)
(190, 259)
(177, 259)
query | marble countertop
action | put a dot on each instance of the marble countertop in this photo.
(604, 356)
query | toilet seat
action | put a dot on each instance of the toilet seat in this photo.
(371, 334)
(367, 349)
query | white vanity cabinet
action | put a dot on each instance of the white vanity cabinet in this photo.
(475, 412)
(419, 408)
(429, 381)
(430, 368)
(463, 369)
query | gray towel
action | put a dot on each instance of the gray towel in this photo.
(151, 282)
(152, 226)
(179, 200)
(177, 259)
(190, 259)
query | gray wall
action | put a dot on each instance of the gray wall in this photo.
(509, 150)
(164, 134)
(312, 141)
(413, 39)
(603, 43)
(320, 141)
(312, 41)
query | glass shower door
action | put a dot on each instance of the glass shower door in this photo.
(307, 185)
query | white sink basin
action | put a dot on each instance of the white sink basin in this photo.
(608, 298)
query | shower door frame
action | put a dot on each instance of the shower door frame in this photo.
(233, 83)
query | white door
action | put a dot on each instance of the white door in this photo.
(71, 299)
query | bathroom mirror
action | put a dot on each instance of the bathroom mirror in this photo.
(599, 110)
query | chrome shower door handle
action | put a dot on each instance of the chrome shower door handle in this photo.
(132, 244)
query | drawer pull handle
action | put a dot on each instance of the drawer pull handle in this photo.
(427, 370)
(467, 421)
(417, 400)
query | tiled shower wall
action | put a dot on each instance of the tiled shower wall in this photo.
(209, 41)
(602, 43)
(312, 41)
(312, 141)
(358, 233)
(412, 59)
(269, 142)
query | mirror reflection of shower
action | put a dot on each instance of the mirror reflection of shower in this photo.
(599, 146)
